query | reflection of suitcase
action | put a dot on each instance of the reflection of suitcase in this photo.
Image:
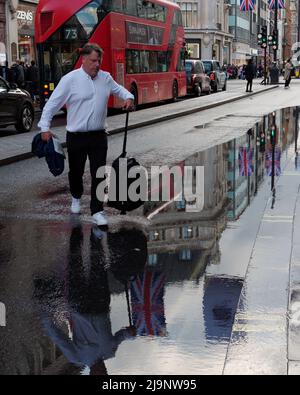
(127, 205)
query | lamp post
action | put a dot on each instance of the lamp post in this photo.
(275, 69)
(276, 28)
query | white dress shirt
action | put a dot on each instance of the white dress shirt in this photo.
(92, 338)
(86, 100)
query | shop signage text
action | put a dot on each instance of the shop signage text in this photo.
(25, 16)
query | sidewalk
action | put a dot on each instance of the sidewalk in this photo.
(266, 333)
(18, 147)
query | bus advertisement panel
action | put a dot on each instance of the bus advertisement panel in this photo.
(143, 43)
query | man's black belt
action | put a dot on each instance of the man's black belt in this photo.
(90, 132)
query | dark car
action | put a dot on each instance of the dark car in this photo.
(218, 79)
(197, 80)
(16, 107)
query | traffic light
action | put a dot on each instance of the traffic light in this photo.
(259, 39)
(270, 40)
(264, 39)
(275, 40)
(273, 136)
(262, 142)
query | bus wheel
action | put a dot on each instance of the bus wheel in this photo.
(134, 92)
(175, 91)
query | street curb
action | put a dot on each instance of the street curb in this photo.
(28, 155)
(189, 112)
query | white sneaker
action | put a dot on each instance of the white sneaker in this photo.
(75, 207)
(100, 218)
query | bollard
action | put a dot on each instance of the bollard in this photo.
(274, 75)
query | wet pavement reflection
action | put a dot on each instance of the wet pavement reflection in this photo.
(147, 297)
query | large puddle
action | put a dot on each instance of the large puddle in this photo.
(75, 299)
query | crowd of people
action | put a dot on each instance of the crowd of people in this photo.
(239, 72)
(25, 76)
(251, 70)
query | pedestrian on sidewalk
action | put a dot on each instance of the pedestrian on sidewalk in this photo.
(33, 80)
(288, 73)
(85, 92)
(249, 74)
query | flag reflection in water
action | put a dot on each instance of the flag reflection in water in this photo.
(147, 301)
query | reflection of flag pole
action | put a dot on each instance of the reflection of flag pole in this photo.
(273, 166)
(128, 304)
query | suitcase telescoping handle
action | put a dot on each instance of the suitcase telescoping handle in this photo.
(124, 153)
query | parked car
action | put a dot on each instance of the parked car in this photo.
(218, 79)
(16, 107)
(197, 81)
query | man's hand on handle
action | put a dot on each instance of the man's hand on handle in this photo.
(129, 105)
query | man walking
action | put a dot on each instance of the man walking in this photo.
(85, 92)
(249, 74)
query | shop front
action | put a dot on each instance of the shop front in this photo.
(25, 19)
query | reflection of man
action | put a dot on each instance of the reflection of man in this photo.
(90, 340)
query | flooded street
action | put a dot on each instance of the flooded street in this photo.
(162, 291)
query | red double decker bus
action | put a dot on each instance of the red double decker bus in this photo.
(143, 43)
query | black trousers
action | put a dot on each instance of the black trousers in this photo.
(249, 85)
(288, 81)
(92, 145)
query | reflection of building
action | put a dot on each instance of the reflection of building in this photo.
(189, 239)
(220, 301)
(245, 171)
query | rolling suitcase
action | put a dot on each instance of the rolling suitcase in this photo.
(126, 204)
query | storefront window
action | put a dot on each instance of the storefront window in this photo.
(25, 18)
(26, 49)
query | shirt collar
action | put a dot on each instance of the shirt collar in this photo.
(87, 75)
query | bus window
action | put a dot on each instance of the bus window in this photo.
(153, 62)
(162, 62)
(160, 14)
(144, 59)
(177, 18)
(141, 9)
(132, 62)
(129, 7)
(148, 10)
(181, 61)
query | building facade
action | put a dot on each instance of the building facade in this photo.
(2, 33)
(245, 25)
(207, 30)
(20, 15)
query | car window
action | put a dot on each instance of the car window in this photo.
(207, 66)
(3, 86)
(188, 67)
(197, 68)
(217, 66)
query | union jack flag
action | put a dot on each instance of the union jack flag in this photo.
(272, 4)
(277, 162)
(147, 301)
(247, 5)
(246, 162)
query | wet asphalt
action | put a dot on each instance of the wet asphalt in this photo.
(160, 291)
